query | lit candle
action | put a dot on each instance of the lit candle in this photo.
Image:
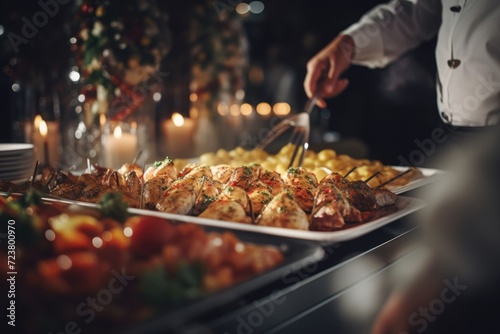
(179, 135)
(119, 147)
(43, 132)
(46, 138)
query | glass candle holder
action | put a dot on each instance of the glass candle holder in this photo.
(119, 144)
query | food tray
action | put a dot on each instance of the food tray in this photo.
(404, 205)
(297, 254)
(430, 175)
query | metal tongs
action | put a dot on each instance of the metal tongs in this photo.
(301, 131)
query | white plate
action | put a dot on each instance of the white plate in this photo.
(405, 205)
(429, 175)
(17, 156)
(17, 174)
(14, 149)
(15, 164)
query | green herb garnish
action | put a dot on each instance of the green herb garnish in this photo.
(21, 212)
(166, 161)
(113, 206)
(159, 287)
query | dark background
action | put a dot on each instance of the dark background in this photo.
(385, 109)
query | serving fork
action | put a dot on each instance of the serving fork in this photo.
(301, 124)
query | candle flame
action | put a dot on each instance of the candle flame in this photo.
(43, 128)
(117, 133)
(177, 119)
(102, 119)
(234, 110)
(281, 108)
(38, 119)
(246, 109)
(263, 108)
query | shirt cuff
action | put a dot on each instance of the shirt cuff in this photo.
(368, 45)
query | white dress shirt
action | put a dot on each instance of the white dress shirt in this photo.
(467, 51)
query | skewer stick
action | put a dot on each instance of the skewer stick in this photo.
(34, 173)
(137, 156)
(394, 178)
(349, 172)
(371, 177)
(250, 206)
(142, 186)
(88, 166)
(117, 179)
(50, 180)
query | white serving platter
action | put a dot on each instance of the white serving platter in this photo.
(430, 175)
(405, 206)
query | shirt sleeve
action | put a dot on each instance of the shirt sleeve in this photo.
(389, 30)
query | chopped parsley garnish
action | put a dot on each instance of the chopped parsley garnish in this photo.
(290, 194)
(265, 201)
(311, 181)
(248, 170)
(293, 170)
(208, 199)
(282, 209)
(160, 163)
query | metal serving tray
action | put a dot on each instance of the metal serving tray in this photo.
(297, 254)
(404, 205)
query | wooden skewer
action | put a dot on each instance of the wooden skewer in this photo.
(349, 172)
(137, 156)
(394, 178)
(117, 179)
(252, 214)
(142, 186)
(50, 180)
(88, 166)
(34, 173)
(371, 177)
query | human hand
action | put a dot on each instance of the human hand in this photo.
(393, 318)
(329, 64)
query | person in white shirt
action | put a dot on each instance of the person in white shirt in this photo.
(467, 54)
(457, 292)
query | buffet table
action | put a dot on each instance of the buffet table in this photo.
(238, 274)
(344, 291)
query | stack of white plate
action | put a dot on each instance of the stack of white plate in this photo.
(16, 161)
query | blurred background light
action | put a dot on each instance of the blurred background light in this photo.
(74, 76)
(263, 109)
(246, 109)
(256, 7)
(242, 8)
